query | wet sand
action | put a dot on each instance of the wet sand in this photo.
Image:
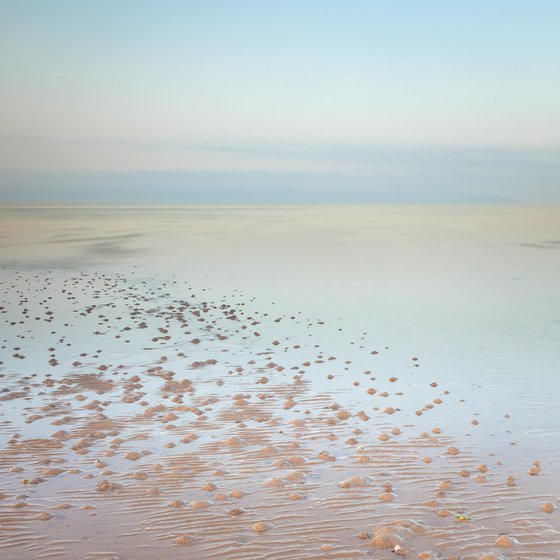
(146, 416)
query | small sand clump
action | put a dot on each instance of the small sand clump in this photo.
(326, 456)
(176, 504)
(137, 475)
(62, 506)
(183, 539)
(268, 450)
(548, 507)
(289, 403)
(353, 482)
(296, 497)
(386, 537)
(260, 527)
(107, 486)
(52, 472)
(295, 476)
(200, 504)
(386, 497)
(503, 541)
(274, 483)
(132, 456)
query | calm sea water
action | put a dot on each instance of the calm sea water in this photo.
(471, 290)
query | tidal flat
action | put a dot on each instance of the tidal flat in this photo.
(282, 382)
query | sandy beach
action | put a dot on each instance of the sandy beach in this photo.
(250, 383)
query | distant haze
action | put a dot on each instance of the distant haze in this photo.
(283, 101)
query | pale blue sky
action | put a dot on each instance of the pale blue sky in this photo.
(403, 100)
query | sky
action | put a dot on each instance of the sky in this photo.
(279, 101)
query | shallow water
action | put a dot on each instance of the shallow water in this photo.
(469, 291)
